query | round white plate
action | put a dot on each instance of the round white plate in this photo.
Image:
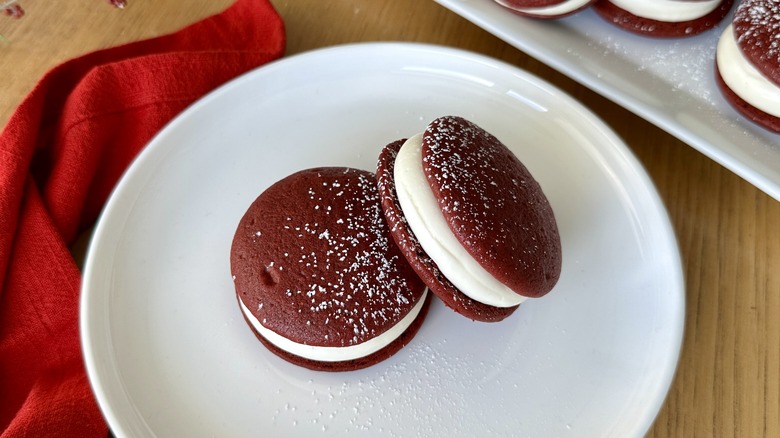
(167, 350)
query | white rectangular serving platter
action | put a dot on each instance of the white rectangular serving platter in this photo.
(669, 82)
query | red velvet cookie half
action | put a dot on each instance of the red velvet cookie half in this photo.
(317, 275)
(557, 9)
(470, 218)
(664, 18)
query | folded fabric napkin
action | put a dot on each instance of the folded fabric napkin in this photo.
(61, 154)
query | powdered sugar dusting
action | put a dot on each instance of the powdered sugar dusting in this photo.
(682, 65)
(376, 404)
(438, 389)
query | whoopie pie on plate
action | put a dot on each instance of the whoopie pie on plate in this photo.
(317, 275)
(470, 218)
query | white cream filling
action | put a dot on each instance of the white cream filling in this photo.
(673, 11)
(427, 222)
(336, 354)
(743, 78)
(550, 11)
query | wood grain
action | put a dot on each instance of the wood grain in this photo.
(728, 380)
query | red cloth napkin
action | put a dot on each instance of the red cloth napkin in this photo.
(61, 153)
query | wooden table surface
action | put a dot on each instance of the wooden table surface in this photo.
(728, 379)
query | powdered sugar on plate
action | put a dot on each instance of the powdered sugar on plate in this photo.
(680, 64)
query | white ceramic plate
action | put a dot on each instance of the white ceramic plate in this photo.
(669, 82)
(168, 353)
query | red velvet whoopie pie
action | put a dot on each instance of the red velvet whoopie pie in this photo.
(317, 275)
(470, 219)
